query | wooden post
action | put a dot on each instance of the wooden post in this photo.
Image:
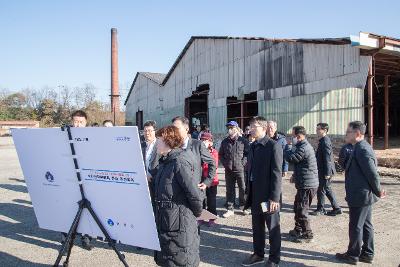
(386, 94)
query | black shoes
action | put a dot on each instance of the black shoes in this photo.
(294, 233)
(345, 258)
(334, 212)
(318, 212)
(303, 238)
(365, 258)
(253, 260)
(271, 264)
(86, 243)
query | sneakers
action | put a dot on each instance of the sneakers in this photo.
(334, 212)
(318, 212)
(365, 258)
(253, 260)
(345, 258)
(246, 212)
(228, 214)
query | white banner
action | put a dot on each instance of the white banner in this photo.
(113, 176)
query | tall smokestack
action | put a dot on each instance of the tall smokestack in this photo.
(114, 75)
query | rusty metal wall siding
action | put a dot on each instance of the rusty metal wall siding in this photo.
(336, 107)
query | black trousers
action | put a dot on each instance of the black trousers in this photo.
(259, 220)
(231, 178)
(302, 203)
(361, 232)
(210, 203)
(324, 189)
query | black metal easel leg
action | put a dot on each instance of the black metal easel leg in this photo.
(110, 241)
(69, 241)
(69, 250)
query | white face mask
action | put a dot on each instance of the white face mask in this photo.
(294, 140)
(231, 132)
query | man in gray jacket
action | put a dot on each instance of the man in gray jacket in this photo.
(363, 189)
(305, 177)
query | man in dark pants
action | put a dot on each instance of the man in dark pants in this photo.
(264, 171)
(233, 156)
(306, 180)
(363, 189)
(326, 170)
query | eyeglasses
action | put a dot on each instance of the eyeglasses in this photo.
(254, 126)
(148, 131)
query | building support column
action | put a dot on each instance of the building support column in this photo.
(386, 94)
(370, 104)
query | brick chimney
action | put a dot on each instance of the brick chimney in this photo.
(114, 75)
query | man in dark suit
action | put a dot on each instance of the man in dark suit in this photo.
(326, 171)
(149, 151)
(363, 189)
(199, 151)
(265, 185)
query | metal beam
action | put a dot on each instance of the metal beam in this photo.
(370, 104)
(386, 105)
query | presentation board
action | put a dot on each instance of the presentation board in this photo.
(113, 177)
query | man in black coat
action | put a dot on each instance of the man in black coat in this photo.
(233, 156)
(305, 176)
(363, 189)
(326, 171)
(264, 171)
(199, 153)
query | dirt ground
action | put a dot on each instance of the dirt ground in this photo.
(22, 243)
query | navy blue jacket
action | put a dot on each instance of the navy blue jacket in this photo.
(324, 155)
(362, 181)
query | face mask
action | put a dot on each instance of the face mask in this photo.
(294, 140)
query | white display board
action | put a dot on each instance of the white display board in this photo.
(113, 176)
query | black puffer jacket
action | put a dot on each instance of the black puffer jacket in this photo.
(305, 165)
(178, 203)
(233, 153)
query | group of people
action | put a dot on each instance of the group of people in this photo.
(182, 178)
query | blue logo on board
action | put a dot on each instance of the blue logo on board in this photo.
(49, 177)
(110, 222)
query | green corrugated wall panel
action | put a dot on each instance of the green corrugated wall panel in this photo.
(336, 107)
(164, 118)
(217, 119)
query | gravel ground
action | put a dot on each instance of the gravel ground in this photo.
(22, 243)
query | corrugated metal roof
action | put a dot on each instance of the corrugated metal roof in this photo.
(155, 77)
(337, 41)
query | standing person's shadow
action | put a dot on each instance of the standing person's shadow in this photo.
(10, 260)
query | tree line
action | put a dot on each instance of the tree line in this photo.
(53, 106)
